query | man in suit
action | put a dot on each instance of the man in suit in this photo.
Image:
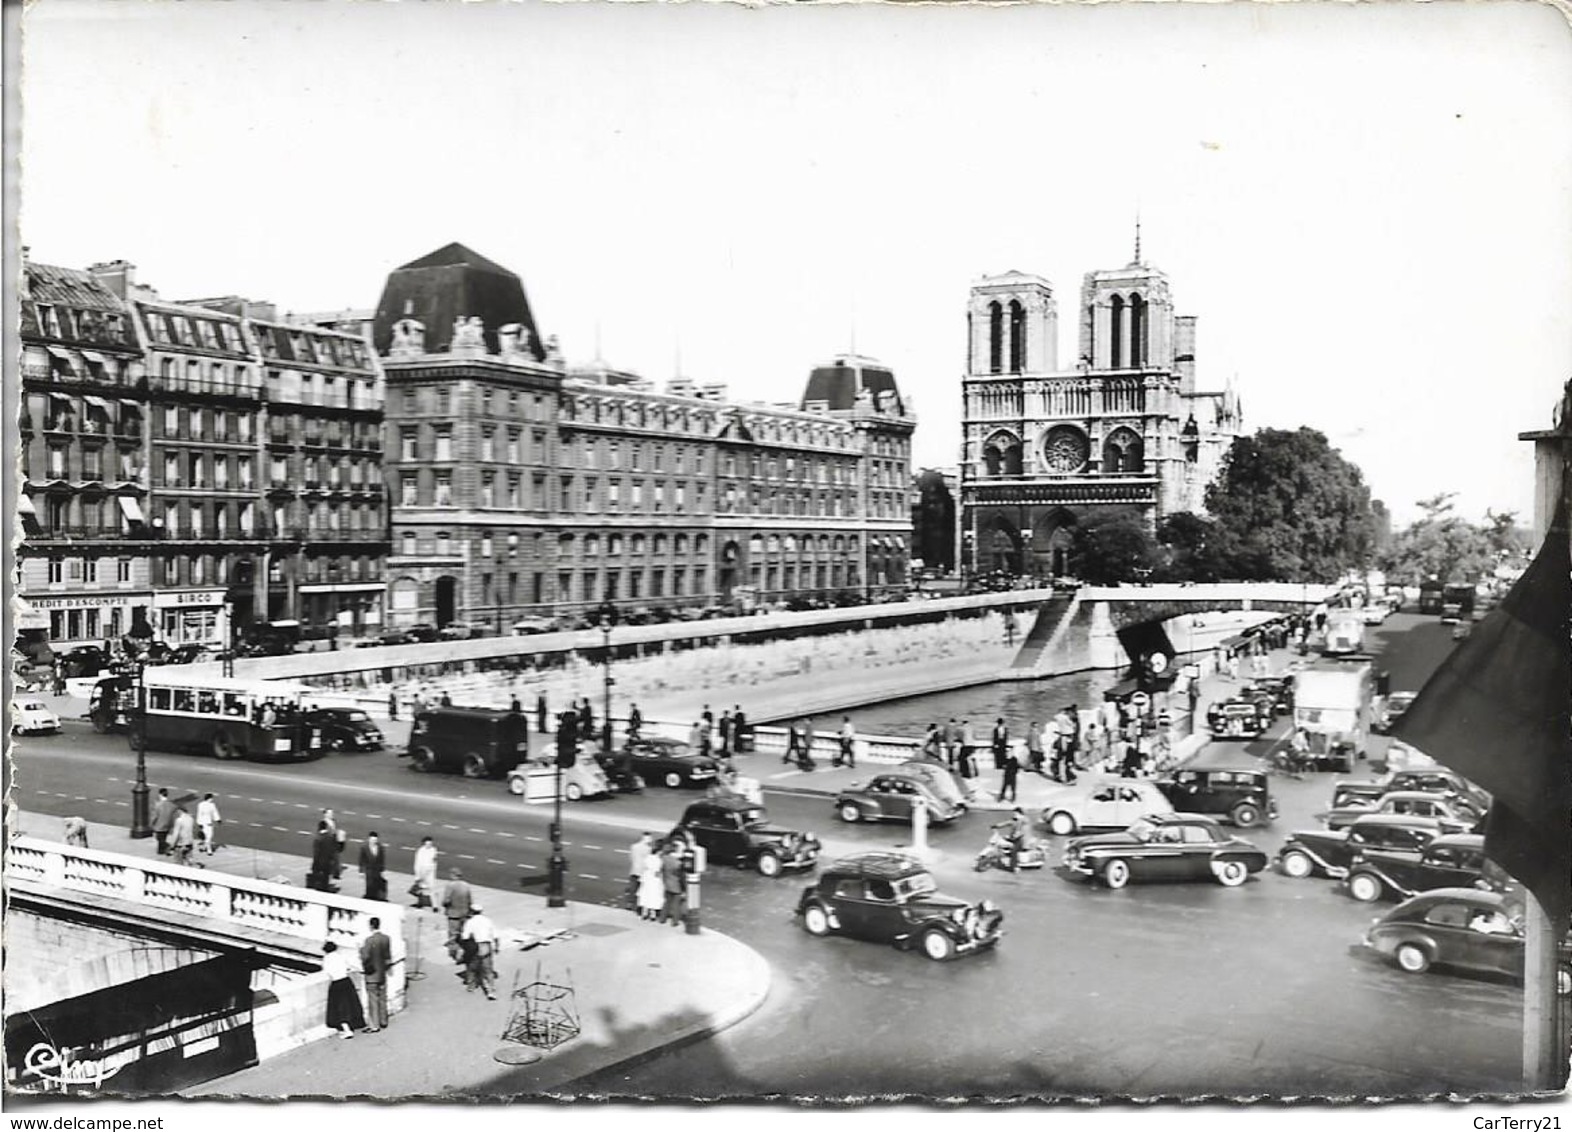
(457, 902)
(163, 820)
(373, 862)
(376, 956)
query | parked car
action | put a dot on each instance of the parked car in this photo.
(529, 626)
(584, 779)
(1375, 612)
(892, 898)
(890, 797)
(461, 631)
(1239, 717)
(33, 717)
(1242, 795)
(737, 832)
(1469, 929)
(671, 762)
(1454, 815)
(1391, 709)
(346, 729)
(1329, 852)
(1165, 847)
(1454, 861)
(1402, 756)
(422, 633)
(477, 742)
(1278, 690)
(1432, 780)
(1096, 802)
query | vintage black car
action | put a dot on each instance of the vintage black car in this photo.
(617, 766)
(1242, 796)
(1435, 780)
(1470, 929)
(1278, 690)
(1328, 852)
(737, 832)
(1454, 861)
(1165, 847)
(892, 898)
(346, 729)
(671, 762)
(1454, 814)
(1239, 717)
(475, 742)
(891, 796)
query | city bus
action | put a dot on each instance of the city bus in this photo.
(228, 718)
(1430, 596)
(1457, 603)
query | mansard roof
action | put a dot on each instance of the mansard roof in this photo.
(449, 283)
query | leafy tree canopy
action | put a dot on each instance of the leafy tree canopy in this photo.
(1110, 548)
(1442, 545)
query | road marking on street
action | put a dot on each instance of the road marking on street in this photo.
(374, 817)
(278, 829)
(788, 774)
(251, 799)
(503, 833)
(122, 803)
(586, 876)
(396, 818)
(532, 837)
(426, 823)
(468, 856)
(588, 846)
(494, 861)
(527, 865)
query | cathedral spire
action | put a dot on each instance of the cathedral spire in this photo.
(1136, 262)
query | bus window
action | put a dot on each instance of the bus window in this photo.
(158, 699)
(185, 699)
(207, 702)
(235, 705)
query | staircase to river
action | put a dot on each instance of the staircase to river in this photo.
(1049, 620)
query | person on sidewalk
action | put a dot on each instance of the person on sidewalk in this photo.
(392, 703)
(638, 857)
(1012, 770)
(76, 832)
(182, 836)
(739, 723)
(479, 939)
(848, 741)
(207, 821)
(999, 742)
(373, 866)
(163, 819)
(933, 744)
(673, 881)
(1131, 765)
(458, 902)
(376, 956)
(652, 890)
(343, 1002)
(1034, 747)
(968, 755)
(635, 722)
(425, 886)
(696, 738)
(1072, 715)
(805, 746)
(324, 849)
(540, 712)
(1017, 833)
(792, 754)
(339, 837)
(725, 732)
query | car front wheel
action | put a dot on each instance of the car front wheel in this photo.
(1413, 958)
(1061, 823)
(816, 920)
(1297, 864)
(516, 784)
(850, 812)
(573, 791)
(1364, 888)
(1246, 815)
(937, 945)
(1231, 874)
(423, 760)
(768, 864)
(1116, 874)
(673, 779)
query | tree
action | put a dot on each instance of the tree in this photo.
(1287, 506)
(1442, 545)
(1111, 548)
(933, 522)
(1506, 538)
(1187, 549)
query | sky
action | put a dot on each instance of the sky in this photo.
(1366, 206)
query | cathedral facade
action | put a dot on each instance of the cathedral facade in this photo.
(1124, 429)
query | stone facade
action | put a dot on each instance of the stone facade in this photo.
(1124, 430)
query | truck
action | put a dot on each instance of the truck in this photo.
(1430, 596)
(1345, 632)
(1457, 602)
(1333, 709)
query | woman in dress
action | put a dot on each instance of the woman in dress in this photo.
(425, 873)
(343, 1002)
(652, 892)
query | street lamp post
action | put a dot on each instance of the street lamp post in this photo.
(607, 616)
(557, 867)
(141, 823)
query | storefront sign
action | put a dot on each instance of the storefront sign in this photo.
(85, 601)
(188, 597)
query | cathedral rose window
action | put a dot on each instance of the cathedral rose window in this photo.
(1065, 449)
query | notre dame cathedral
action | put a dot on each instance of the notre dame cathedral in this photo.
(1122, 430)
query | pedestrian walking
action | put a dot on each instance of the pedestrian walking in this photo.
(933, 744)
(76, 832)
(792, 740)
(638, 854)
(182, 836)
(479, 938)
(725, 732)
(805, 746)
(457, 903)
(707, 716)
(339, 840)
(696, 738)
(968, 750)
(739, 725)
(373, 863)
(1018, 830)
(163, 819)
(540, 712)
(652, 889)
(425, 886)
(1131, 765)
(1034, 747)
(848, 741)
(1073, 717)
(1012, 769)
(952, 742)
(673, 883)
(393, 703)
(445, 700)
(207, 822)
(343, 1002)
(376, 957)
(635, 722)
(999, 742)
(586, 719)
(324, 851)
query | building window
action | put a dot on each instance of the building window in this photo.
(57, 461)
(123, 571)
(488, 489)
(613, 495)
(566, 495)
(444, 444)
(488, 439)
(56, 571)
(514, 501)
(513, 446)
(409, 491)
(444, 543)
(444, 492)
(409, 444)
(407, 544)
(485, 546)
(995, 338)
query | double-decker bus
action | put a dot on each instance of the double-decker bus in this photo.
(1430, 596)
(1457, 602)
(261, 720)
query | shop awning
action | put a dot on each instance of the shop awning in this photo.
(57, 396)
(1235, 641)
(130, 508)
(93, 356)
(98, 402)
(134, 406)
(343, 587)
(24, 505)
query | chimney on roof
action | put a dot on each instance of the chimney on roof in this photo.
(118, 275)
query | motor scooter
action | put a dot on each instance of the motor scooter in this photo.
(996, 854)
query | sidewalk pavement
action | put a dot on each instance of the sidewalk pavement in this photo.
(639, 988)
